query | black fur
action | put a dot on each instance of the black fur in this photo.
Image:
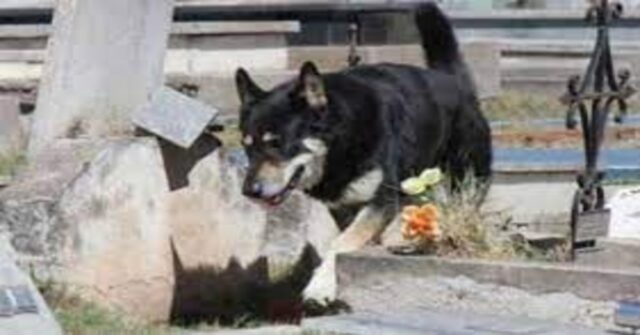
(399, 118)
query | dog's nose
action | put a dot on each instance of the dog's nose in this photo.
(252, 189)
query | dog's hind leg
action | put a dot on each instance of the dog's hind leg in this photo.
(368, 224)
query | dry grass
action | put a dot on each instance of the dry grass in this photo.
(79, 317)
(468, 231)
(11, 163)
(520, 107)
(523, 106)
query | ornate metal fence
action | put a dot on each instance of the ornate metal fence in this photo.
(592, 97)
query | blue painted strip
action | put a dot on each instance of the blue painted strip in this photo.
(619, 164)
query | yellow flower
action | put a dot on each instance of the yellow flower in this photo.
(413, 186)
(418, 185)
(421, 222)
(431, 177)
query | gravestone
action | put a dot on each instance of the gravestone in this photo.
(104, 58)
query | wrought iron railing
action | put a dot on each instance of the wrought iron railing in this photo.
(592, 97)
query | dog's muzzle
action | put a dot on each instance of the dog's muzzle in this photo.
(264, 192)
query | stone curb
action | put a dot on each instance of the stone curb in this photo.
(587, 282)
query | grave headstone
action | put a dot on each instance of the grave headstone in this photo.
(104, 59)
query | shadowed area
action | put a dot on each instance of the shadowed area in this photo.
(237, 295)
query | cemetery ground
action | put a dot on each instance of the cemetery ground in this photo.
(77, 316)
(126, 209)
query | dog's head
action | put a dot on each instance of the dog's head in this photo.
(282, 133)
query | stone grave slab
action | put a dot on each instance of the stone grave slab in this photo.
(422, 321)
(175, 117)
(585, 293)
(22, 308)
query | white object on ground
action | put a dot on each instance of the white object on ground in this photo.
(625, 214)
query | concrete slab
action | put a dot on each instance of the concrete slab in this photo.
(587, 282)
(429, 322)
(612, 253)
(274, 330)
(175, 117)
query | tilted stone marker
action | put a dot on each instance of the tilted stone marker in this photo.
(22, 309)
(104, 60)
(175, 117)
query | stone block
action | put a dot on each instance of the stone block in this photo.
(104, 59)
(232, 253)
(175, 117)
(95, 223)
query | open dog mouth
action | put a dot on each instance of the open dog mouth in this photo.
(279, 198)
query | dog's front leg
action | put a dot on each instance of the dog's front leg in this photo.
(369, 222)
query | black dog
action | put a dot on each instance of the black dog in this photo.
(350, 138)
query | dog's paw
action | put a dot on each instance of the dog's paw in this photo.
(322, 286)
(313, 308)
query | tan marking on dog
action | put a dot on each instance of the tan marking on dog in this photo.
(361, 190)
(270, 172)
(279, 174)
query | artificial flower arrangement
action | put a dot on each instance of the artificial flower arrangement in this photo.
(442, 224)
(421, 221)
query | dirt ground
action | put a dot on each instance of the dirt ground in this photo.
(553, 138)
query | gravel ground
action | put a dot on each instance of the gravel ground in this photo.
(463, 294)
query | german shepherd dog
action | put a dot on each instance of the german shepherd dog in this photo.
(350, 138)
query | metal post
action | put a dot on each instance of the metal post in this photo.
(354, 40)
(603, 88)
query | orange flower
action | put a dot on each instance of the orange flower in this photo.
(420, 222)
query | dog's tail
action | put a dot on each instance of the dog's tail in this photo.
(438, 39)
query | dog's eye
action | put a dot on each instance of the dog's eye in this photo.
(271, 139)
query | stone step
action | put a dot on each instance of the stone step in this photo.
(427, 322)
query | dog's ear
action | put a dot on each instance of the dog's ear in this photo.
(312, 86)
(248, 90)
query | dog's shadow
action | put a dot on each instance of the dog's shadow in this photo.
(240, 296)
